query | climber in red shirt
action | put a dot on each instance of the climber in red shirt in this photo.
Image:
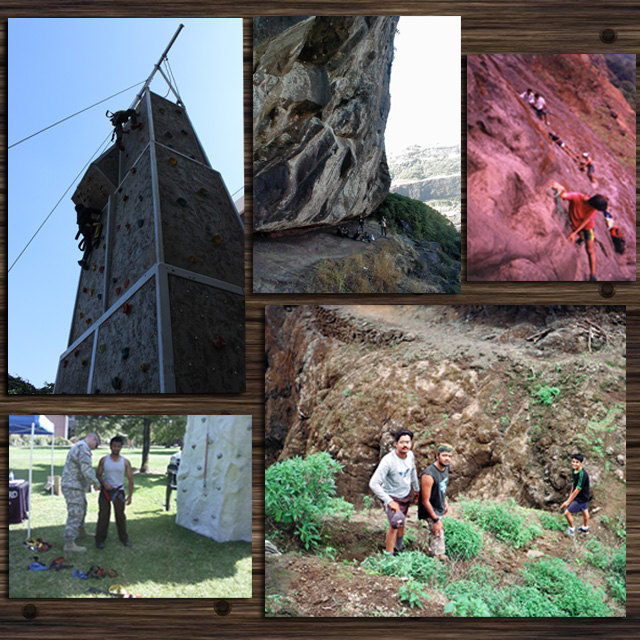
(582, 213)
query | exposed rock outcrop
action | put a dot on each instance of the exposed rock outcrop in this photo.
(344, 379)
(514, 231)
(320, 106)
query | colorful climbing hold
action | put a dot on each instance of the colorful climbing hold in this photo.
(125, 284)
(126, 309)
(88, 320)
(125, 353)
(132, 170)
(173, 161)
(93, 267)
(91, 292)
(84, 289)
(64, 364)
(81, 314)
(114, 280)
(161, 109)
(125, 198)
(203, 192)
(101, 348)
(83, 363)
(217, 239)
(116, 383)
(101, 269)
(117, 227)
(193, 259)
(168, 134)
(183, 132)
(220, 342)
(140, 223)
(99, 296)
(144, 367)
(182, 202)
(76, 353)
(140, 198)
(118, 290)
(127, 225)
(179, 111)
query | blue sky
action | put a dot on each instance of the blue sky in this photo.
(58, 66)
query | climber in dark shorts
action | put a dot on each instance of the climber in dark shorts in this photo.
(118, 120)
(563, 145)
(89, 227)
(582, 213)
(578, 499)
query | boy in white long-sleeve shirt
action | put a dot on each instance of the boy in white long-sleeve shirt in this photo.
(395, 483)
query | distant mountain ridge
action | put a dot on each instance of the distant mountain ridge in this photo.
(431, 175)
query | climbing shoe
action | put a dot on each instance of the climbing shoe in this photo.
(592, 278)
(83, 264)
(570, 531)
(70, 545)
(584, 530)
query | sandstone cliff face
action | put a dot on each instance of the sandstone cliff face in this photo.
(514, 231)
(344, 379)
(320, 106)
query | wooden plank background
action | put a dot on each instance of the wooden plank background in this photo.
(487, 26)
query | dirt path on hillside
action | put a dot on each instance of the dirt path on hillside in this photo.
(281, 265)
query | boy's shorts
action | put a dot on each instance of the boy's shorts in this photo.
(397, 518)
(588, 234)
(577, 507)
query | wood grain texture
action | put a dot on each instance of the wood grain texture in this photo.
(487, 26)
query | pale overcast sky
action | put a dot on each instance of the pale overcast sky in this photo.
(425, 84)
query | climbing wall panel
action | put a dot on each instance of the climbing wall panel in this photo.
(73, 372)
(199, 222)
(173, 129)
(94, 189)
(133, 237)
(135, 140)
(214, 479)
(89, 300)
(127, 347)
(109, 165)
(208, 338)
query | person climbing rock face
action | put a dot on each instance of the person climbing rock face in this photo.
(563, 145)
(118, 120)
(540, 106)
(582, 213)
(587, 163)
(528, 97)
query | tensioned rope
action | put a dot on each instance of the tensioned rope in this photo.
(59, 201)
(33, 135)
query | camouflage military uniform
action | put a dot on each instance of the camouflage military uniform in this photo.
(77, 477)
(436, 543)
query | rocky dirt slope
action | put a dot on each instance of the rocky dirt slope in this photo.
(320, 106)
(514, 389)
(513, 229)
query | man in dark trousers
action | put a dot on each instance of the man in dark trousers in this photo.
(89, 227)
(433, 503)
(111, 472)
(578, 499)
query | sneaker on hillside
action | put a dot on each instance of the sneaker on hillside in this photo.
(570, 531)
(584, 530)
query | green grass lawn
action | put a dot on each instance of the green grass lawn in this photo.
(164, 561)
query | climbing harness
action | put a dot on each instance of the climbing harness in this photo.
(37, 544)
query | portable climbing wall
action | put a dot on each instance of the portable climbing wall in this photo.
(214, 479)
(161, 307)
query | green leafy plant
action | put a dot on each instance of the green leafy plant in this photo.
(367, 501)
(505, 521)
(551, 521)
(411, 593)
(410, 564)
(462, 541)
(546, 394)
(299, 491)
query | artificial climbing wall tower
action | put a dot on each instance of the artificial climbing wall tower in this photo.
(161, 307)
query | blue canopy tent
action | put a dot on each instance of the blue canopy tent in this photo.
(34, 425)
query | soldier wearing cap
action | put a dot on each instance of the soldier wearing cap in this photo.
(434, 504)
(395, 483)
(77, 478)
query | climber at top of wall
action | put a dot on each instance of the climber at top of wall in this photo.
(118, 120)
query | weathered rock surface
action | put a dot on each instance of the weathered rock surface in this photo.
(320, 106)
(344, 379)
(513, 229)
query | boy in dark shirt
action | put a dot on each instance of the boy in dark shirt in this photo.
(578, 499)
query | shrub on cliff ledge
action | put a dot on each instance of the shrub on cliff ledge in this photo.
(426, 223)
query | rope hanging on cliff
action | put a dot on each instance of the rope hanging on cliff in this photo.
(33, 135)
(556, 196)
